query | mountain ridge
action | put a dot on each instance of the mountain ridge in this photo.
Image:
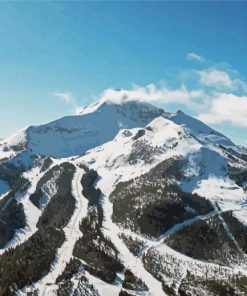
(118, 215)
(31, 137)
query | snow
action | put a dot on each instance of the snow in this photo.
(73, 135)
(104, 288)
(200, 130)
(163, 132)
(103, 134)
(109, 160)
(6, 145)
(187, 263)
(15, 139)
(100, 123)
(92, 107)
(111, 230)
(206, 175)
(114, 154)
(6, 154)
(46, 285)
(32, 213)
(49, 189)
(176, 264)
(223, 191)
(230, 235)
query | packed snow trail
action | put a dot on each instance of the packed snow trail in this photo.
(112, 231)
(130, 261)
(229, 233)
(32, 213)
(46, 286)
(155, 242)
(160, 242)
(191, 221)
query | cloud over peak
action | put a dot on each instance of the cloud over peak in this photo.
(215, 94)
(152, 93)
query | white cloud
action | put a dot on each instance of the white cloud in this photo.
(226, 108)
(65, 96)
(153, 94)
(211, 107)
(195, 57)
(225, 80)
(216, 78)
(223, 100)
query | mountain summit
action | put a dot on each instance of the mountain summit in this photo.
(73, 135)
(123, 199)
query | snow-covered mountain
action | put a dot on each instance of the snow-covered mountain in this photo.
(123, 199)
(73, 135)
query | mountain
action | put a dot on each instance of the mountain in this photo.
(97, 124)
(123, 199)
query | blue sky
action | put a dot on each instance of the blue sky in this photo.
(56, 56)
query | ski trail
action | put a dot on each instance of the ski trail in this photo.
(47, 286)
(160, 240)
(130, 261)
(112, 231)
(103, 288)
(32, 213)
(230, 235)
(155, 243)
(189, 222)
(150, 243)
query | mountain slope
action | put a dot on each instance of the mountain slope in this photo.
(73, 135)
(123, 199)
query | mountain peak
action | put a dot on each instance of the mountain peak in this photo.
(100, 122)
(95, 125)
(200, 130)
(121, 101)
